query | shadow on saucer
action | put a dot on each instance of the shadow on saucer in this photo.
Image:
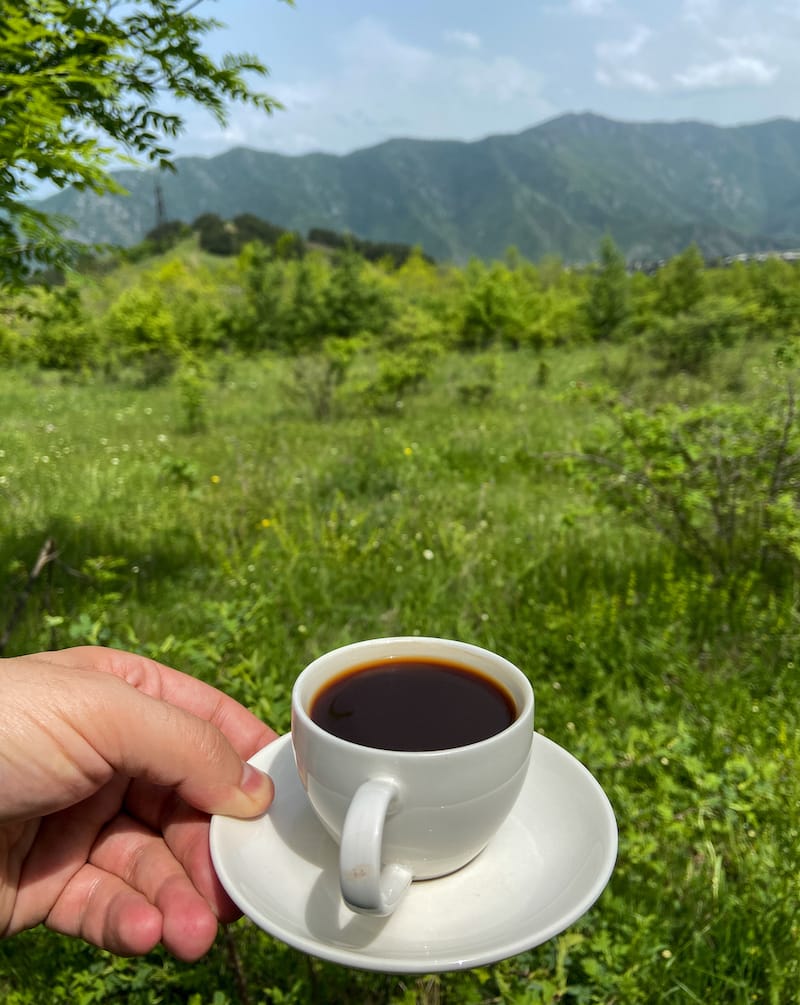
(328, 920)
(295, 823)
(293, 818)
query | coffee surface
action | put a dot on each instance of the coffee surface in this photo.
(413, 705)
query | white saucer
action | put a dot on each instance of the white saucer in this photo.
(544, 868)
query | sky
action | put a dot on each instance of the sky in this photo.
(352, 73)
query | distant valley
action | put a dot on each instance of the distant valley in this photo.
(554, 189)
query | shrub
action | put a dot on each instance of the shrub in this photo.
(721, 482)
(354, 301)
(494, 308)
(141, 332)
(688, 341)
(193, 386)
(607, 305)
(10, 346)
(64, 336)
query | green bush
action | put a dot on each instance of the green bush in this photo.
(689, 340)
(141, 332)
(64, 336)
(719, 482)
(11, 348)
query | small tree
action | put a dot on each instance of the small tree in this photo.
(141, 331)
(252, 323)
(689, 341)
(494, 310)
(681, 284)
(64, 336)
(354, 302)
(608, 300)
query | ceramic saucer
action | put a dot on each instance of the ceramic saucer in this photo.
(544, 868)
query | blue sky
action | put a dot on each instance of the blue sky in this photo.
(352, 73)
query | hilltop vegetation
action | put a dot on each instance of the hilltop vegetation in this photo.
(245, 460)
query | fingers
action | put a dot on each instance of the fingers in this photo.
(245, 731)
(141, 859)
(63, 843)
(103, 910)
(122, 714)
(185, 831)
(142, 737)
(133, 894)
(174, 750)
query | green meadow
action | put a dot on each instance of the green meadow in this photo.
(593, 474)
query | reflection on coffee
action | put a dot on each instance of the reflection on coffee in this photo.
(413, 704)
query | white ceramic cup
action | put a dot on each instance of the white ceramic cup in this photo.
(404, 815)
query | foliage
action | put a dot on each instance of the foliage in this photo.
(253, 324)
(680, 284)
(165, 236)
(79, 83)
(10, 347)
(193, 386)
(405, 356)
(318, 376)
(374, 251)
(776, 289)
(608, 300)
(494, 310)
(690, 340)
(354, 302)
(229, 237)
(194, 300)
(64, 336)
(141, 331)
(718, 481)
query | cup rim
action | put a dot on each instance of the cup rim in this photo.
(524, 713)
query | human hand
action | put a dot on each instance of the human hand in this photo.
(110, 765)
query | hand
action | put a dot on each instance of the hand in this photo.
(110, 765)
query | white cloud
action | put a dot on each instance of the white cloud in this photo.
(379, 86)
(466, 39)
(636, 80)
(731, 72)
(620, 63)
(612, 52)
(369, 45)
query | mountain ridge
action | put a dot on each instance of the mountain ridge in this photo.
(553, 189)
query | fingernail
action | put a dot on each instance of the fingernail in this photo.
(257, 785)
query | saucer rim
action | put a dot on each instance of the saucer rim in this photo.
(362, 959)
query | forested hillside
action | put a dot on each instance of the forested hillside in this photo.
(555, 189)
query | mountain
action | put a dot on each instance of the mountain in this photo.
(554, 189)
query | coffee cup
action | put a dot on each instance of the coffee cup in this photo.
(412, 752)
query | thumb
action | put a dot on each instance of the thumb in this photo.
(145, 737)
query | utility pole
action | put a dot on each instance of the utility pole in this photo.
(161, 214)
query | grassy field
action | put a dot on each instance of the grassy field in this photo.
(240, 551)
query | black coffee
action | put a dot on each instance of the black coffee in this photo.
(413, 705)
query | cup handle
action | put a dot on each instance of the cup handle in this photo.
(366, 887)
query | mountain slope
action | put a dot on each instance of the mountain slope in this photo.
(554, 189)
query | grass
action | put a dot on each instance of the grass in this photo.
(241, 552)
